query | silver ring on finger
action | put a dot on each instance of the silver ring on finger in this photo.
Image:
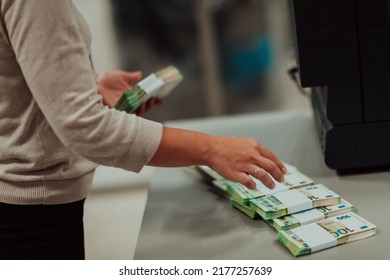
(256, 171)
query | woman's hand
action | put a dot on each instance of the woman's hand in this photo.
(112, 84)
(146, 106)
(237, 158)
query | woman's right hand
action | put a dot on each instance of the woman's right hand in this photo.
(238, 158)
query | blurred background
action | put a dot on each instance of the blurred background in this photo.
(234, 55)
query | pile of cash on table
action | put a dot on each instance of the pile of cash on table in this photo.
(308, 216)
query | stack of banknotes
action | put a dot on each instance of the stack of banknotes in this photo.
(326, 233)
(308, 216)
(293, 201)
(157, 85)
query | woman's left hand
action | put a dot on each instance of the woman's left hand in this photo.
(112, 85)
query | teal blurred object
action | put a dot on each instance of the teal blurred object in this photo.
(244, 66)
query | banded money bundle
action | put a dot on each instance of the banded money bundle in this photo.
(158, 85)
(245, 209)
(327, 233)
(293, 201)
(310, 216)
(223, 185)
(242, 195)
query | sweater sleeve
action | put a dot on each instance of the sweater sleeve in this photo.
(54, 58)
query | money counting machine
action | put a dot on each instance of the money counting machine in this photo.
(343, 55)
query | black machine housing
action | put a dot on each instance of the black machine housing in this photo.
(343, 54)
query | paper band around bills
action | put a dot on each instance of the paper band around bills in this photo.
(315, 236)
(279, 187)
(151, 84)
(294, 201)
(309, 216)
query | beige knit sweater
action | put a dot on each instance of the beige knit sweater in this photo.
(54, 129)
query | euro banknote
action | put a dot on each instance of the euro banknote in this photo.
(293, 179)
(293, 201)
(327, 233)
(245, 209)
(310, 216)
(158, 85)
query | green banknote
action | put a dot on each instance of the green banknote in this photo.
(310, 216)
(157, 85)
(326, 233)
(131, 100)
(293, 201)
(244, 209)
(241, 194)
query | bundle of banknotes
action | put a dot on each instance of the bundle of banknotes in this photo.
(308, 216)
(326, 233)
(293, 201)
(157, 85)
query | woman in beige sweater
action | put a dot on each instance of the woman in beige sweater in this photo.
(55, 129)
